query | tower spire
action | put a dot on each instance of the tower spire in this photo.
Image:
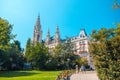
(38, 22)
(48, 37)
(57, 35)
(57, 29)
(37, 37)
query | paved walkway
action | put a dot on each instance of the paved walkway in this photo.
(89, 75)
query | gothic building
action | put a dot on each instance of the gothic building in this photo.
(37, 36)
(52, 42)
(80, 43)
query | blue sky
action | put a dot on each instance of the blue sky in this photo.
(70, 15)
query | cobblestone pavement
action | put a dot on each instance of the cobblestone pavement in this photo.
(88, 75)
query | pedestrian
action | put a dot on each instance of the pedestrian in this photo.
(80, 69)
(76, 68)
(83, 69)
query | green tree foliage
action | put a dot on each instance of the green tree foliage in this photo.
(5, 37)
(14, 57)
(17, 45)
(51, 63)
(82, 61)
(3, 58)
(59, 56)
(64, 56)
(10, 53)
(105, 50)
(28, 50)
(5, 34)
(38, 56)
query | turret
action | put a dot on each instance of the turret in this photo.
(57, 35)
(82, 34)
(37, 36)
(48, 38)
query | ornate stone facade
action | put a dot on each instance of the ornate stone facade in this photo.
(52, 42)
(80, 43)
(37, 36)
(81, 46)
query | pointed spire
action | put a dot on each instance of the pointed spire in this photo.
(82, 33)
(38, 26)
(37, 36)
(48, 37)
(48, 31)
(57, 35)
(57, 29)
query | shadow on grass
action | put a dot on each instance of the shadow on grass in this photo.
(16, 73)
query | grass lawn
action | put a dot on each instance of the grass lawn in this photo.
(28, 75)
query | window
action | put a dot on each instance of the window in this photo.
(82, 42)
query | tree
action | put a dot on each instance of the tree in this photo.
(63, 54)
(5, 34)
(105, 50)
(28, 50)
(39, 56)
(59, 56)
(3, 58)
(15, 59)
(17, 44)
(11, 56)
(5, 37)
(82, 61)
(69, 56)
(51, 63)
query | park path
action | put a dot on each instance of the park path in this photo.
(88, 75)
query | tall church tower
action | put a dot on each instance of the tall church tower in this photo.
(47, 42)
(37, 36)
(57, 35)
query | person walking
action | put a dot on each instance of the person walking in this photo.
(83, 68)
(76, 68)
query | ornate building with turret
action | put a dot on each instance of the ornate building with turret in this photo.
(50, 42)
(80, 43)
(81, 46)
